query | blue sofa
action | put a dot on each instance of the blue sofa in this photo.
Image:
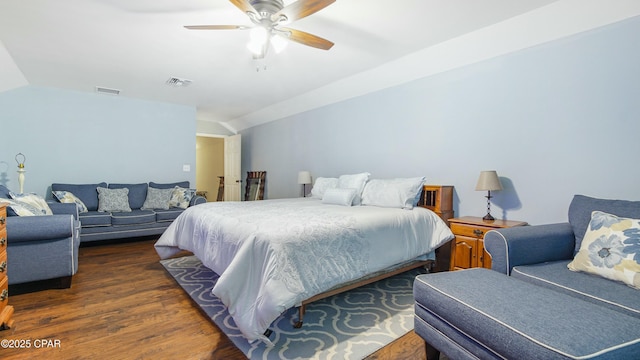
(530, 305)
(106, 225)
(43, 247)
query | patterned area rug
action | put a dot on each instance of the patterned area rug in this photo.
(350, 325)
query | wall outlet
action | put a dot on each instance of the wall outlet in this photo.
(186, 167)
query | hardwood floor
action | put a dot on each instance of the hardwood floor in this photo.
(123, 305)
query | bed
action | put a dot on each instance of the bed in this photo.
(272, 255)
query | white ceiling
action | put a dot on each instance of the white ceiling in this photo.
(136, 45)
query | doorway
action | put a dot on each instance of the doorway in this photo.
(209, 165)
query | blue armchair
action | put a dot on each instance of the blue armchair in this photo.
(43, 247)
(530, 305)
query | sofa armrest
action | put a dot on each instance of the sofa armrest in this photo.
(34, 228)
(64, 208)
(525, 245)
(197, 199)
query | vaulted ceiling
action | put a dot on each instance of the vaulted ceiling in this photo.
(135, 46)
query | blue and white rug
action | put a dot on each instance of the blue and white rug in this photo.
(350, 325)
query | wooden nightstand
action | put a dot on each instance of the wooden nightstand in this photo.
(6, 311)
(439, 199)
(467, 249)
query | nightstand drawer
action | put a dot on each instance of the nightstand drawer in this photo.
(474, 231)
(3, 239)
(4, 293)
(3, 264)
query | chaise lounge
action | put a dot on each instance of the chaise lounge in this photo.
(531, 305)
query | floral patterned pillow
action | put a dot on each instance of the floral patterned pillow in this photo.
(67, 197)
(180, 197)
(35, 201)
(611, 249)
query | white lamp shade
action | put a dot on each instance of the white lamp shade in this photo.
(304, 177)
(488, 180)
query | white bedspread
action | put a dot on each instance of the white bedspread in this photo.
(273, 254)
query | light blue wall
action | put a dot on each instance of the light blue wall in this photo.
(554, 120)
(76, 137)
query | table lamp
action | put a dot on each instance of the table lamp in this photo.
(304, 178)
(488, 181)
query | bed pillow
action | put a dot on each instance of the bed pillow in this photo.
(339, 196)
(610, 248)
(34, 200)
(18, 208)
(113, 200)
(394, 193)
(67, 197)
(321, 185)
(158, 198)
(181, 197)
(354, 181)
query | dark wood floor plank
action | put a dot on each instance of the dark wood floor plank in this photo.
(123, 304)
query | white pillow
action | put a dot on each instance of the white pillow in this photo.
(396, 193)
(354, 181)
(321, 185)
(337, 196)
(35, 200)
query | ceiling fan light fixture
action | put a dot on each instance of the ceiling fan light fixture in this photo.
(279, 43)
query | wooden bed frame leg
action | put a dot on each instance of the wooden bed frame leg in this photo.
(301, 310)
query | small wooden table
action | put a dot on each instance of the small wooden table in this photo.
(467, 249)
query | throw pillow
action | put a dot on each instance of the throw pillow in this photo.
(611, 249)
(354, 181)
(67, 197)
(181, 197)
(337, 196)
(35, 200)
(113, 200)
(157, 199)
(18, 208)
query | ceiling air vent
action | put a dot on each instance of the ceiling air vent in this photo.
(104, 90)
(177, 82)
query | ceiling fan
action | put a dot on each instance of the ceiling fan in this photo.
(267, 17)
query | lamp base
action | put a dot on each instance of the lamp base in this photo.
(488, 217)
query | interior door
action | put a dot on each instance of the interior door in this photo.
(232, 171)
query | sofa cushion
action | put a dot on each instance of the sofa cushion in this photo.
(157, 199)
(592, 288)
(611, 249)
(167, 215)
(137, 193)
(519, 320)
(134, 217)
(110, 200)
(582, 206)
(88, 193)
(95, 218)
(182, 184)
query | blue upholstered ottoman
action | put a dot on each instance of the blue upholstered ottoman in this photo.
(480, 313)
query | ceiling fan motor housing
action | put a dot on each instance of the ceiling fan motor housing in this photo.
(266, 8)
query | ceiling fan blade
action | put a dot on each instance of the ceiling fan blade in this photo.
(301, 9)
(216, 27)
(308, 39)
(244, 5)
